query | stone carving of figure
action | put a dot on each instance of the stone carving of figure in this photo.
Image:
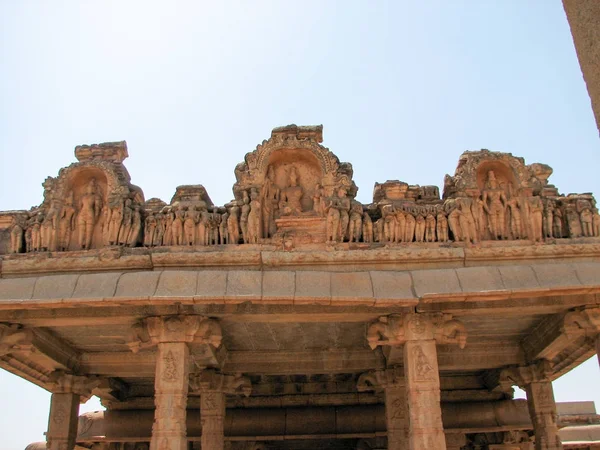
(106, 212)
(223, 234)
(254, 218)
(215, 223)
(289, 203)
(548, 218)
(90, 206)
(536, 211)
(478, 213)
(411, 224)
(442, 227)
(557, 223)
(233, 227)
(368, 228)
(596, 222)
(66, 223)
(494, 203)
(586, 218)
(16, 236)
(270, 200)
(116, 218)
(245, 212)
(204, 226)
(430, 228)
(400, 232)
(28, 232)
(466, 221)
(574, 223)
(49, 228)
(126, 223)
(378, 230)
(454, 222)
(149, 230)
(167, 212)
(318, 198)
(337, 208)
(190, 219)
(136, 227)
(420, 228)
(344, 203)
(355, 231)
(159, 232)
(177, 227)
(36, 232)
(389, 223)
(516, 228)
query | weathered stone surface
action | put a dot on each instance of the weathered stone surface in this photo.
(96, 285)
(435, 282)
(392, 287)
(313, 287)
(244, 284)
(278, 286)
(177, 283)
(57, 286)
(138, 284)
(352, 287)
(475, 279)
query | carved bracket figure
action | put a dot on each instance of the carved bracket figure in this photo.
(211, 380)
(14, 338)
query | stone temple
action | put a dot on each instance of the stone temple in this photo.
(295, 317)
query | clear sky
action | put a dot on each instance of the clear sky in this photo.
(401, 87)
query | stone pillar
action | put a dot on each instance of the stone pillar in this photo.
(535, 380)
(584, 20)
(213, 388)
(171, 335)
(419, 333)
(391, 381)
(67, 392)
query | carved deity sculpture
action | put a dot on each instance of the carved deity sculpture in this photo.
(49, 228)
(442, 227)
(536, 211)
(159, 232)
(355, 227)
(289, 203)
(557, 223)
(478, 213)
(136, 227)
(245, 212)
(126, 222)
(318, 199)
(214, 224)
(596, 222)
(66, 223)
(337, 208)
(494, 203)
(389, 223)
(190, 219)
(36, 232)
(430, 228)
(367, 228)
(90, 206)
(344, 203)
(400, 226)
(411, 223)
(149, 229)
(204, 226)
(223, 234)
(169, 218)
(116, 218)
(516, 227)
(233, 227)
(254, 218)
(16, 236)
(548, 218)
(177, 227)
(586, 222)
(419, 228)
(269, 196)
(573, 223)
(466, 221)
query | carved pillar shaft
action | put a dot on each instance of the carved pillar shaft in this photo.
(396, 417)
(62, 423)
(423, 394)
(542, 408)
(170, 397)
(212, 411)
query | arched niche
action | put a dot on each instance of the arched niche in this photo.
(307, 167)
(504, 174)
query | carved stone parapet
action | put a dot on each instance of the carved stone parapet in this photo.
(398, 329)
(66, 383)
(184, 328)
(14, 338)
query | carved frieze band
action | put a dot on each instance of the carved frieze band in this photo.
(397, 329)
(184, 328)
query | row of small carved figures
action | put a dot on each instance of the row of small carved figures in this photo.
(461, 219)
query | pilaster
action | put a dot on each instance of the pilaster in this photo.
(535, 380)
(392, 382)
(420, 333)
(67, 392)
(213, 388)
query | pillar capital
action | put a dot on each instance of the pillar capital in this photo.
(377, 380)
(582, 322)
(396, 329)
(523, 376)
(212, 381)
(13, 337)
(179, 328)
(66, 383)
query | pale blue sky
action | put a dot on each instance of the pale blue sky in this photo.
(402, 89)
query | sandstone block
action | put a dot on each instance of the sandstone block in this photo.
(475, 279)
(16, 288)
(137, 284)
(244, 283)
(96, 285)
(278, 285)
(177, 283)
(435, 282)
(55, 286)
(313, 287)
